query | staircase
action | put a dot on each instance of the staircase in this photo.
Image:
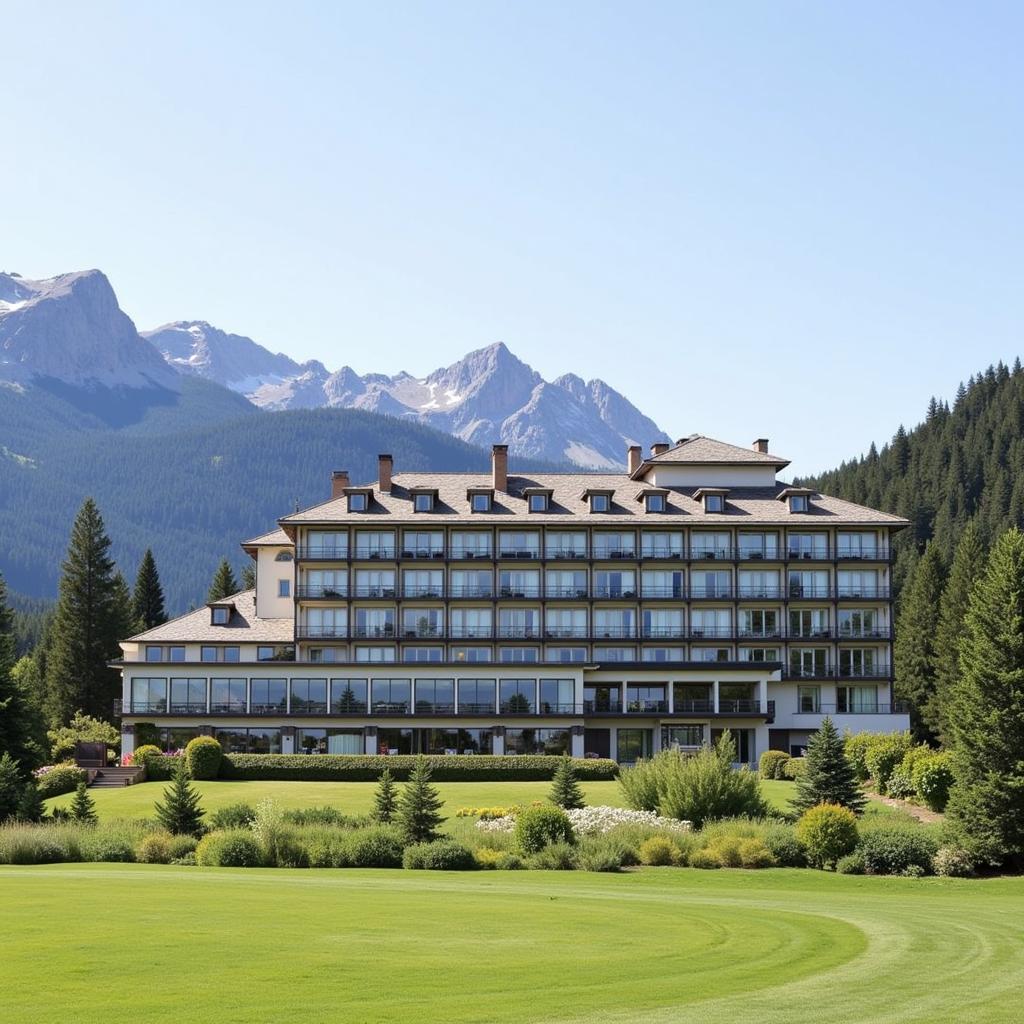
(106, 778)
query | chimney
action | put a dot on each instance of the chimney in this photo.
(339, 481)
(761, 445)
(384, 466)
(660, 447)
(634, 456)
(499, 467)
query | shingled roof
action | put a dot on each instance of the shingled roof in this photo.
(244, 626)
(706, 451)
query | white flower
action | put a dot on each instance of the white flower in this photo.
(596, 820)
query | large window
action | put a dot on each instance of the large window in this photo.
(348, 696)
(711, 622)
(471, 654)
(391, 696)
(709, 545)
(858, 545)
(663, 622)
(518, 544)
(662, 653)
(518, 583)
(375, 583)
(858, 584)
(807, 584)
(309, 696)
(537, 741)
(661, 544)
(683, 736)
(329, 741)
(149, 695)
(476, 696)
(324, 622)
(808, 699)
(662, 583)
(268, 696)
(471, 622)
(565, 622)
(375, 654)
(471, 544)
(423, 654)
(375, 622)
(807, 545)
(422, 544)
(646, 697)
(519, 622)
(518, 654)
(227, 696)
(759, 622)
(456, 741)
(565, 544)
(805, 622)
(557, 696)
(188, 696)
(375, 544)
(857, 700)
(518, 696)
(704, 583)
(614, 583)
(565, 654)
(326, 544)
(422, 582)
(324, 583)
(471, 583)
(435, 696)
(633, 744)
(250, 741)
(808, 662)
(167, 738)
(396, 741)
(858, 662)
(423, 622)
(758, 545)
(858, 622)
(758, 584)
(619, 544)
(615, 622)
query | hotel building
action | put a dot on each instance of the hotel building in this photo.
(605, 614)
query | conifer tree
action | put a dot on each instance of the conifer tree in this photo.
(180, 812)
(916, 660)
(83, 807)
(11, 787)
(19, 726)
(419, 806)
(828, 777)
(87, 625)
(148, 595)
(385, 798)
(565, 789)
(986, 713)
(30, 806)
(249, 576)
(223, 583)
(968, 565)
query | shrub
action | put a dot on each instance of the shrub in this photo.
(327, 848)
(25, 844)
(538, 827)
(443, 855)
(603, 853)
(933, 780)
(884, 755)
(902, 781)
(385, 798)
(419, 807)
(755, 854)
(555, 857)
(601, 819)
(377, 847)
(705, 858)
(81, 727)
(179, 812)
(108, 844)
(324, 816)
(443, 768)
(239, 815)
(510, 862)
(182, 847)
(856, 746)
(784, 846)
(83, 808)
(827, 776)
(890, 851)
(772, 763)
(851, 864)
(154, 848)
(793, 768)
(565, 788)
(147, 755)
(203, 756)
(658, 851)
(951, 862)
(233, 848)
(276, 838)
(61, 778)
(488, 857)
(827, 832)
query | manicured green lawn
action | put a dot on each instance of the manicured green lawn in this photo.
(96, 943)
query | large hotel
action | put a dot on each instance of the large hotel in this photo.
(603, 614)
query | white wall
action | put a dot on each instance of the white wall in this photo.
(711, 476)
(268, 572)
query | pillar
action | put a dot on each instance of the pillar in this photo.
(127, 738)
(370, 740)
(763, 694)
(498, 740)
(576, 741)
(714, 696)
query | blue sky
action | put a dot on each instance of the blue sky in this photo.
(797, 220)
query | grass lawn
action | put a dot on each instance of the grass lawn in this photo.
(97, 943)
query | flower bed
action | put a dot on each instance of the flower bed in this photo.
(589, 821)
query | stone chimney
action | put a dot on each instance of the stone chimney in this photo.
(660, 447)
(634, 456)
(499, 467)
(339, 481)
(761, 445)
(384, 466)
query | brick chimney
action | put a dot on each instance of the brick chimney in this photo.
(339, 481)
(660, 447)
(384, 466)
(761, 445)
(634, 456)
(499, 467)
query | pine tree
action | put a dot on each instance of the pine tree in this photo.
(19, 727)
(83, 808)
(249, 576)
(123, 612)
(986, 713)
(148, 595)
(419, 807)
(11, 786)
(565, 789)
(86, 627)
(828, 776)
(224, 583)
(180, 812)
(30, 806)
(385, 798)
(968, 565)
(916, 659)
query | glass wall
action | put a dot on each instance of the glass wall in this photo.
(348, 696)
(537, 741)
(250, 741)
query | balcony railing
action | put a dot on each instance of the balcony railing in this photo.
(897, 707)
(864, 671)
(738, 706)
(710, 553)
(521, 592)
(556, 590)
(704, 592)
(422, 552)
(619, 593)
(661, 552)
(477, 590)
(323, 552)
(335, 632)
(643, 706)
(462, 551)
(846, 672)
(565, 554)
(321, 590)
(603, 706)
(374, 552)
(510, 553)
(693, 705)
(379, 591)
(423, 591)
(613, 551)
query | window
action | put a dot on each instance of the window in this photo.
(348, 697)
(519, 622)
(614, 654)
(808, 584)
(663, 654)
(565, 622)
(284, 588)
(759, 584)
(808, 662)
(283, 556)
(655, 502)
(149, 695)
(538, 503)
(375, 654)
(710, 622)
(709, 546)
(423, 503)
(858, 622)
(537, 741)
(808, 622)
(284, 652)
(759, 654)
(476, 696)
(518, 696)
(395, 741)
(858, 545)
(268, 696)
(467, 583)
(633, 744)
(599, 502)
(232, 654)
(480, 503)
(227, 696)
(423, 621)
(219, 616)
(178, 653)
(615, 622)
(663, 622)
(357, 503)
(372, 544)
(422, 544)
(858, 662)
(471, 622)
(326, 655)
(798, 503)
(435, 696)
(375, 583)
(374, 621)
(472, 654)
(714, 502)
(557, 696)
(614, 545)
(518, 583)
(518, 544)
(563, 655)
(391, 696)
(154, 654)
(326, 544)
(207, 653)
(808, 700)
(309, 696)
(661, 544)
(457, 741)
(614, 583)
(682, 736)
(471, 545)
(563, 544)
(807, 545)
(859, 584)
(758, 545)
(857, 700)
(565, 583)
(250, 741)
(759, 622)
(423, 654)
(711, 654)
(518, 654)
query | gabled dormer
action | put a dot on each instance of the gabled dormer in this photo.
(481, 499)
(221, 612)
(599, 499)
(424, 499)
(797, 499)
(359, 498)
(655, 499)
(538, 499)
(713, 499)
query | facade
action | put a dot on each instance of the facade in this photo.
(600, 614)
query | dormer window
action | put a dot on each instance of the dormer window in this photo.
(538, 502)
(797, 498)
(357, 502)
(798, 503)
(655, 502)
(283, 556)
(423, 503)
(480, 502)
(600, 502)
(714, 502)
(219, 615)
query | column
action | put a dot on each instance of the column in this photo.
(498, 740)
(671, 697)
(576, 741)
(127, 738)
(714, 696)
(763, 694)
(288, 740)
(370, 739)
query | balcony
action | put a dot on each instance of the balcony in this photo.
(662, 553)
(876, 593)
(423, 632)
(565, 554)
(767, 592)
(310, 591)
(758, 553)
(518, 554)
(566, 632)
(864, 672)
(519, 633)
(386, 632)
(461, 551)
(897, 707)
(322, 552)
(719, 592)
(694, 706)
(614, 551)
(644, 706)
(375, 591)
(675, 592)
(815, 554)
(374, 553)
(519, 593)
(739, 706)
(863, 553)
(308, 632)
(568, 593)
(711, 553)
(603, 706)
(663, 632)
(423, 591)
(471, 590)
(422, 553)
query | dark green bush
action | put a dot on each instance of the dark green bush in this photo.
(890, 851)
(556, 857)
(324, 816)
(933, 780)
(107, 845)
(772, 763)
(784, 846)
(234, 848)
(793, 768)
(856, 747)
(537, 827)
(203, 756)
(239, 815)
(851, 864)
(443, 855)
(885, 755)
(376, 847)
(603, 853)
(367, 767)
(60, 779)
(827, 832)
(509, 862)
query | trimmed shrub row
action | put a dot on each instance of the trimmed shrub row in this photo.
(367, 767)
(60, 779)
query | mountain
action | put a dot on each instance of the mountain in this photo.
(489, 396)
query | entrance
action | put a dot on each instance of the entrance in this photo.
(597, 743)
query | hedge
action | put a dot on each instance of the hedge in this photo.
(61, 778)
(367, 767)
